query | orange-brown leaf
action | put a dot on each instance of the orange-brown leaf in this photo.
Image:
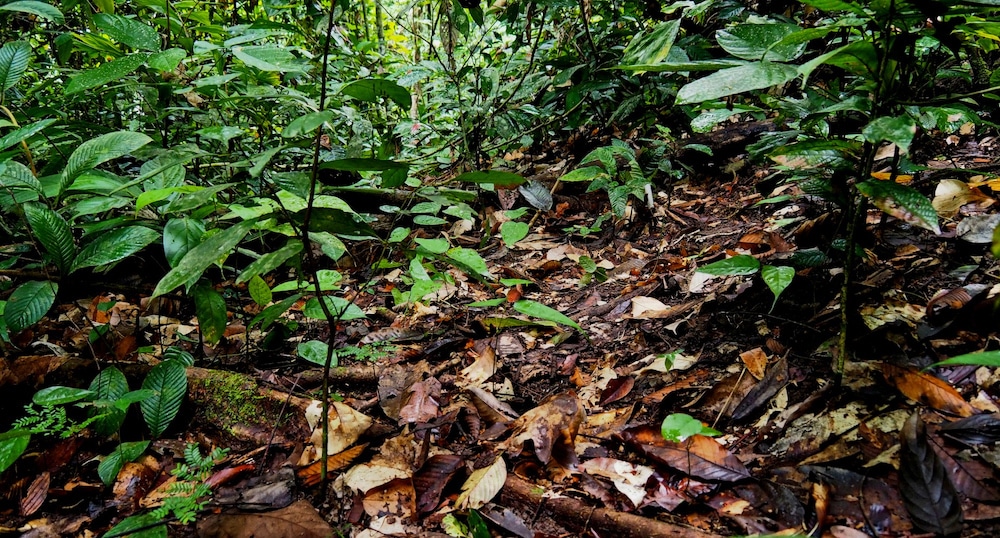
(927, 389)
(310, 474)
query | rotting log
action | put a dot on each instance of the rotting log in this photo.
(576, 516)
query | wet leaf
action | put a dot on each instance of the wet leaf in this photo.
(902, 202)
(927, 389)
(928, 493)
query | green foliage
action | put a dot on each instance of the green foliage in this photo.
(189, 494)
(602, 169)
(677, 427)
(776, 277)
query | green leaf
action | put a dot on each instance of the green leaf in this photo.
(340, 308)
(56, 395)
(141, 526)
(737, 265)
(194, 263)
(435, 246)
(306, 124)
(180, 236)
(156, 195)
(754, 76)
(53, 232)
(271, 314)
(109, 467)
(100, 150)
(677, 427)
(837, 5)
(810, 154)
(777, 278)
(12, 444)
(470, 259)
(168, 381)
(109, 385)
(260, 292)
(167, 60)
(903, 202)
(115, 245)
(315, 352)
(210, 308)
(270, 58)
(107, 72)
(29, 302)
(757, 42)
(990, 359)
(370, 89)
(335, 221)
(587, 173)
(393, 173)
(651, 47)
(898, 130)
(128, 31)
(512, 231)
(270, 261)
(500, 179)
(33, 7)
(14, 175)
(14, 58)
(540, 311)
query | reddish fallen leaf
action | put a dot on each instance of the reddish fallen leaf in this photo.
(299, 519)
(310, 474)
(551, 427)
(617, 389)
(394, 498)
(967, 475)
(927, 389)
(698, 456)
(36, 494)
(429, 481)
(928, 494)
(225, 475)
(421, 402)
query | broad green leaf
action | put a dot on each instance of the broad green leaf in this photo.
(270, 261)
(142, 526)
(990, 359)
(14, 175)
(587, 173)
(540, 311)
(34, 7)
(859, 58)
(108, 469)
(904, 203)
(29, 302)
(498, 178)
(14, 58)
(341, 309)
(210, 308)
(435, 246)
(180, 236)
(107, 72)
(157, 195)
(220, 133)
(393, 173)
(370, 89)
(674, 67)
(810, 154)
(270, 58)
(470, 259)
(167, 60)
(12, 444)
(187, 202)
(271, 314)
(335, 221)
(758, 42)
(737, 265)
(898, 130)
(115, 245)
(96, 205)
(53, 232)
(777, 278)
(837, 5)
(652, 47)
(194, 263)
(677, 427)
(304, 125)
(512, 231)
(259, 291)
(168, 381)
(100, 150)
(754, 76)
(109, 385)
(128, 31)
(315, 352)
(56, 395)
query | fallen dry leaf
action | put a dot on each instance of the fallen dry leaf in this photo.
(927, 389)
(551, 427)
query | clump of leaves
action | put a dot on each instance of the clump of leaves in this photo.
(190, 494)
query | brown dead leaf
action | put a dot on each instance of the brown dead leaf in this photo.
(345, 427)
(481, 369)
(698, 456)
(430, 480)
(617, 389)
(927, 389)
(928, 494)
(394, 498)
(298, 519)
(756, 362)
(36, 494)
(482, 485)
(551, 427)
(310, 474)
(421, 402)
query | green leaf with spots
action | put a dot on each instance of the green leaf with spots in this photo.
(902, 202)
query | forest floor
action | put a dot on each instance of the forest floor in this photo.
(493, 419)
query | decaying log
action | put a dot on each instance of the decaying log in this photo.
(576, 516)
